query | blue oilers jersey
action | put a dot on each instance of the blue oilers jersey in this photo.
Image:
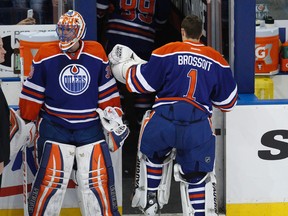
(186, 71)
(67, 88)
(133, 22)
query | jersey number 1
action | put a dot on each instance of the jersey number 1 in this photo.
(192, 84)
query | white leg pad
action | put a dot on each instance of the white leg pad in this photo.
(88, 203)
(140, 192)
(96, 194)
(186, 206)
(140, 187)
(163, 192)
(51, 180)
(211, 202)
(165, 184)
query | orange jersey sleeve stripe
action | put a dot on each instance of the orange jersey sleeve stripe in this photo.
(36, 95)
(103, 94)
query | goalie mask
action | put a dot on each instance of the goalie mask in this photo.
(70, 29)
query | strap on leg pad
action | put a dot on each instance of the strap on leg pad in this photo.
(165, 184)
(51, 180)
(140, 191)
(211, 207)
(95, 178)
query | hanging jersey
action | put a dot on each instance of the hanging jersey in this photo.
(67, 88)
(186, 71)
(133, 23)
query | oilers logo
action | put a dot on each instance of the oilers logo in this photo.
(74, 79)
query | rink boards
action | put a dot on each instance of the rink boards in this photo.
(256, 158)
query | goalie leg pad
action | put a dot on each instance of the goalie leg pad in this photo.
(211, 201)
(165, 184)
(51, 180)
(95, 178)
(140, 185)
(141, 197)
(140, 191)
(211, 208)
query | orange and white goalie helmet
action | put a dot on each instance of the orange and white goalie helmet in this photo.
(70, 28)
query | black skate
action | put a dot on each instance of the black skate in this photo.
(152, 206)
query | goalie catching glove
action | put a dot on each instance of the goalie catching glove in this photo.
(121, 59)
(21, 134)
(115, 130)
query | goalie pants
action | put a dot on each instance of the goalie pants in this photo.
(51, 131)
(184, 127)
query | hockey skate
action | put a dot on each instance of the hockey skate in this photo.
(152, 207)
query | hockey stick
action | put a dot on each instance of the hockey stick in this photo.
(25, 180)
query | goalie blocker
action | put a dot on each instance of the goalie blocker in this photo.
(115, 130)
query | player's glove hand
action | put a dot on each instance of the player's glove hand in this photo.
(115, 130)
(119, 54)
(121, 59)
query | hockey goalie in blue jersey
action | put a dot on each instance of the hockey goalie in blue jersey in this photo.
(72, 95)
(189, 78)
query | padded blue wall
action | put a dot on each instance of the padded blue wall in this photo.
(87, 8)
(244, 50)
